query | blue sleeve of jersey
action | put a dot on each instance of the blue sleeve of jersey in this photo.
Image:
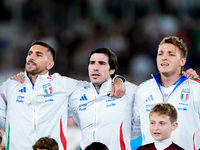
(119, 76)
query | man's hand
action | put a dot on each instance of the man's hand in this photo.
(118, 89)
(19, 77)
(190, 73)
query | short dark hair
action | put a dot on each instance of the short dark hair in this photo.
(44, 44)
(96, 146)
(112, 58)
(46, 143)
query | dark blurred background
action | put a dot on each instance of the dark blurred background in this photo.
(130, 28)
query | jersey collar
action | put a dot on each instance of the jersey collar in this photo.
(104, 86)
(177, 83)
(39, 78)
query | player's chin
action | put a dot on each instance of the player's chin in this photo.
(96, 82)
(32, 71)
(29, 70)
(165, 72)
(157, 138)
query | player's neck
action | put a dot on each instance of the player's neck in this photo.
(97, 87)
(160, 145)
(33, 78)
(168, 81)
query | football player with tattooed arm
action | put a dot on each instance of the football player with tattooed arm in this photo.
(38, 107)
(173, 87)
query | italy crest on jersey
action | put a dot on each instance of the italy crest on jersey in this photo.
(47, 88)
(185, 94)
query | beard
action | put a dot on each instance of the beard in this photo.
(33, 71)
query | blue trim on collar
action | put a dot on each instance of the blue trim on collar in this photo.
(156, 77)
(177, 83)
(96, 89)
(31, 81)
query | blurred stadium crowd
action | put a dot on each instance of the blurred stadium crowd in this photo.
(130, 28)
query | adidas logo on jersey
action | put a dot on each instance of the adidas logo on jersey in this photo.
(83, 98)
(23, 90)
(150, 98)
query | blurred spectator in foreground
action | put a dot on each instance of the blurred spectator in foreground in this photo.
(46, 143)
(1, 139)
(96, 146)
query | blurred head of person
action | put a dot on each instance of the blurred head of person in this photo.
(1, 139)
(46, 143)
(96, 146)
